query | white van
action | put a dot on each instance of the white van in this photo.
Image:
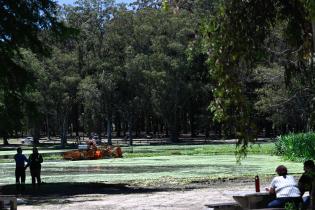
(27, 140)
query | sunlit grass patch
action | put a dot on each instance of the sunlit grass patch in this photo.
(144, 169)
(151, 151)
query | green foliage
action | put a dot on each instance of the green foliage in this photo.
(21, 23)
(234, 41)
(288, 107)
(311, 7)
(165, 5)
(147, 69)
(289, 206)
(299, 146)
(238, 39)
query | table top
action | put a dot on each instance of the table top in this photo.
(253, 200)
(245, 193)
(252, 194)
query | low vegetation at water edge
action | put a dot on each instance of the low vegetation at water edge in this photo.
(300, 146)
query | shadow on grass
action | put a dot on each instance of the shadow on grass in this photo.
(65, 193)
(70, 189)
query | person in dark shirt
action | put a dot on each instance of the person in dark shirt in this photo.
(35, 160)
(305, 181)
(20, 167)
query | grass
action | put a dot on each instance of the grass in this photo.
(156, 164)
(144, 169)
(56, 154)
(153, 151)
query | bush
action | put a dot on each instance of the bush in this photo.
(299, 146)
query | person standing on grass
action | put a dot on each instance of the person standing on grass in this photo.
(20, 167)
(35, 160)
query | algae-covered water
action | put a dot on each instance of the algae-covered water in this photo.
(143, 168)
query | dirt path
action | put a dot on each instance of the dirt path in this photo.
(192, 199)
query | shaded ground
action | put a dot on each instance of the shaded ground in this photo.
(66, 196)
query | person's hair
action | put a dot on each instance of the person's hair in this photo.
(282, 170)
(19, 150)
(309, 164)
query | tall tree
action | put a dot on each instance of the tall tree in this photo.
(20, 23)
(91, 18)
(237, 43)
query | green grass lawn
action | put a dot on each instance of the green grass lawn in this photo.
(154, 164)
(124, 170)
(151, 151)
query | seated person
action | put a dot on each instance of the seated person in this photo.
(91, 144)
(305, 182)
(285, 188)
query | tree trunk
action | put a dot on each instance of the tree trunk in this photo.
(207, 131)
(173, 129)
(109, 130)
(130, 142)
(313, 30)
(147, 124)
(63, 133)
(118, 125)
(36, 134)
(185, 123)
(47, 127)
(5, 138)
(192, 124)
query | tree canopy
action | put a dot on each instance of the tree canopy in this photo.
(21, 21)
(231, 69)
(245, 35)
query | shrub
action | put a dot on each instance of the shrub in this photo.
(299, 146)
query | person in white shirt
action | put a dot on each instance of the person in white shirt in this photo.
(286, 189)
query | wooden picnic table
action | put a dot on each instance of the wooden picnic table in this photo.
(253, 200)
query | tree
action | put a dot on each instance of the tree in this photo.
(20, 23)
(92, 18)
(169, 61)
(288, 107)
(236, 39)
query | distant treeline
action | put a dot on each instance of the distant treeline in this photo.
(139, 70)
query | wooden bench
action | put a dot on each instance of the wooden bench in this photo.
(11, 199)
(224, 206)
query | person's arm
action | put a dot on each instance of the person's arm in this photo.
(301, 184)
(272, 188)
(40, 158)
(272, 191)
(25, 159)
(29, 161)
